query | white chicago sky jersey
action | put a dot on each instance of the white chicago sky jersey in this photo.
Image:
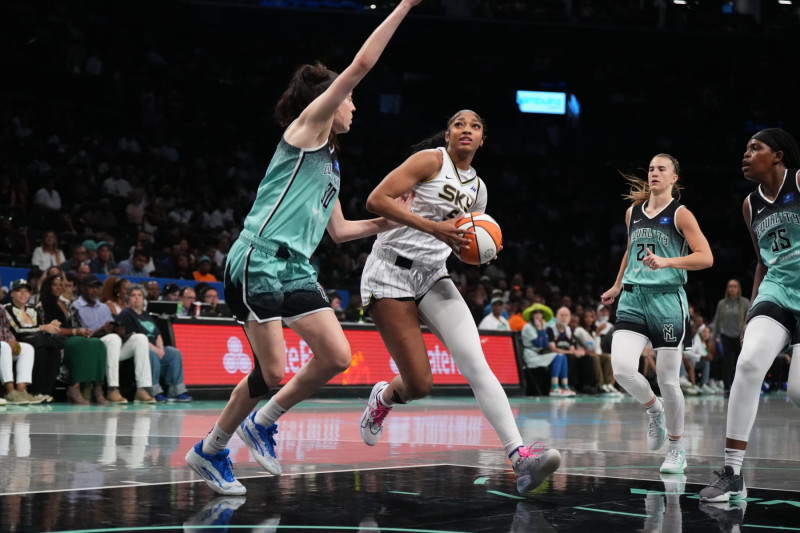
(450, 194)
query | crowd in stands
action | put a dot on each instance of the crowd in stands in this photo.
(135, 139)
(79, 339)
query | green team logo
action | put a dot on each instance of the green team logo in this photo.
(669, 333)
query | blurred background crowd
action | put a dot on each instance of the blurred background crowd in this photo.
(136, 133)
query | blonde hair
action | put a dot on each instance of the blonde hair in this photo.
(639, 191)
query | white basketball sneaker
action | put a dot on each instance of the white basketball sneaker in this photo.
(374, 414)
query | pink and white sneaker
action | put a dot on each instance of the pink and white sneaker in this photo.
(374, 414)
(534, 465)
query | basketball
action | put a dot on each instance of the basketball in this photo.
(486, 241)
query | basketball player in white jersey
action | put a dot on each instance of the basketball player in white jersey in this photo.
(405, 280)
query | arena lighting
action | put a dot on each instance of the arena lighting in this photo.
(545, 102)
(679, 2)
(549, 103)
(785, 2)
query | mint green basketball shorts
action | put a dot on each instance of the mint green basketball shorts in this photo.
(660, 313)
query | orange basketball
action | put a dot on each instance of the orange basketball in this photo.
(486, 241)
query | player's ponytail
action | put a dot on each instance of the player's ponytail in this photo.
(439, 138)
(639, 191)
(434, 141)
(307, 83)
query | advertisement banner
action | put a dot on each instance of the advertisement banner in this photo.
(219, 354)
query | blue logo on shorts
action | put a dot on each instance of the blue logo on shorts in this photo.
(788, 198)
(665, 221)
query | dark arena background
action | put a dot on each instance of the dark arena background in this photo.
(177, 99)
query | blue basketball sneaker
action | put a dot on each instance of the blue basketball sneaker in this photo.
(216, 470)
(217, 512)
(261, 442)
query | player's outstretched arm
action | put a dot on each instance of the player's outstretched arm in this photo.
(314, 123)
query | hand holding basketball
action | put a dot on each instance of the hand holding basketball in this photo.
(484, 235)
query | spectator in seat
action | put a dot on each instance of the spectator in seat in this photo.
(152, 291)
(48, 253)
(515, 320)
(170, 292)
(336, 303)
(166, 359)
(562, 341)
(84, 356)
(79, 257)
(29, 326)
(495, 321)
(104, 262)
(113, 294)
(136, 266)
(203, 272)
(47, 202)
(586, 334)
(97, 318)
(186, 299)
(116, 185)
(537, 353)
(20, 353)
(91, 250)
(215, 307)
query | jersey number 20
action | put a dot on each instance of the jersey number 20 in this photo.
(641, 250)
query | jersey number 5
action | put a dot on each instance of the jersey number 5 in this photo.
(641, 250)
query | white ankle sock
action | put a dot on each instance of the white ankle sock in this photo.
(385, 403)
(515, 453)
(734, 459)
(216, 441)
(657, 407)
(270, 413)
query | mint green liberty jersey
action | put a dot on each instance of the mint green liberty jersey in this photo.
(296, 197)
(659, 234)
(776, 225)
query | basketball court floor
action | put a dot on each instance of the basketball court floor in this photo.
(439, 467)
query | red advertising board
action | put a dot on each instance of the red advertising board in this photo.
(219, 354)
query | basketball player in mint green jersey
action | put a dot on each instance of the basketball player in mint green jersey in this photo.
(268, 278)
(664, 241)
(772, 214)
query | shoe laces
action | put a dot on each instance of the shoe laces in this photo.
(653, 426)
(227, 472)
(378, 413)
(267, 433)
(534, 450)
(722, 478)
(674, 453)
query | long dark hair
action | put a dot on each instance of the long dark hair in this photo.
(49, 301)
(307, 83)
(438, 138)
